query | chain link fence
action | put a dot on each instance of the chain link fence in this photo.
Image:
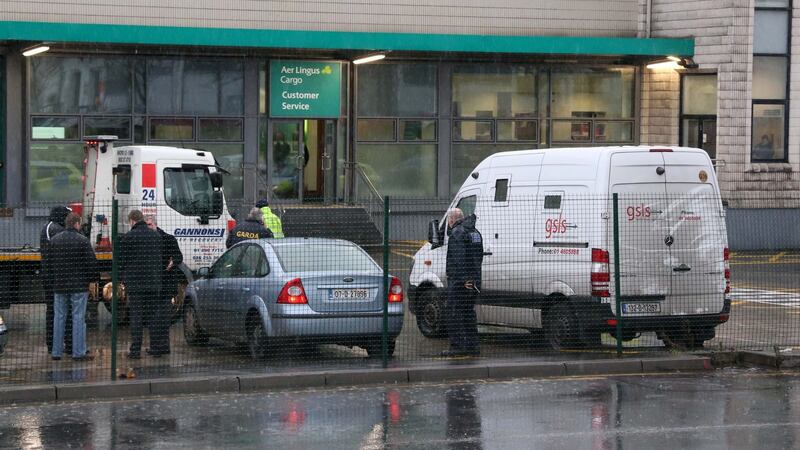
(193, 291)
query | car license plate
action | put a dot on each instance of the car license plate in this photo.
(638, 308)
(349, 294)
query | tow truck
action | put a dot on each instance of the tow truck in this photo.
(181, 187)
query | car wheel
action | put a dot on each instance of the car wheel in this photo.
(431, 314)
(257, 339)
(375, 348)
(176, 302)
(192, 331)
(562, 327)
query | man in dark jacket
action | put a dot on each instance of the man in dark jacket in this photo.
(464, 260)
(251, 228)
(73, 264)
(140, 269)
(171, 275)
(55, 225)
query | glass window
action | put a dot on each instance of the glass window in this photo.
(253, 263)
(417, 130)
(771, 31)
(572, 131)
(769, 77)
(220, 129)
(467, 205)
(55, 172)
(772, 3)
(195, 86)
(175, 129)
(80, 85)
(552, 202)
(593, 93)
(517, 130)
(396, 90)
(472, 130)
(613, 131)
(230, 157)
(768, 132)
(226, 265)
(123, 175)
(466, 156)
(699, 94)
(404, 170)
(501, 190)
(109, 126)
(323, 257)
(376, 130)
(494, 91)
(59, 128)
(188, 191)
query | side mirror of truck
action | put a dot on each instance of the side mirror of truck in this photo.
(216, 179)
(435, 235)
(216, 203)
(203, 272)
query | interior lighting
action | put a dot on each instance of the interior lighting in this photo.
(369, 58)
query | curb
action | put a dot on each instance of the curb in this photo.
(293, 380)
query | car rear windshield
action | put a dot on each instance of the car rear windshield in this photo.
(316, 257)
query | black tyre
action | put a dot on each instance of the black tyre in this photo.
(375, 349)
(192, 331)
(176, 302)
(256, 339)
(562, 327)
(431, 314)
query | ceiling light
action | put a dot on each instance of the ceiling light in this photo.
(669, 64)
(369, 58)
(35, 50)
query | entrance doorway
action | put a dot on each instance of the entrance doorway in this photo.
(300, 154)
(699, 112)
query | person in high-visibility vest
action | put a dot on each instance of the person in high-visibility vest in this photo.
(271, 221)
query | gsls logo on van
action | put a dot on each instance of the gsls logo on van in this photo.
(639, 212)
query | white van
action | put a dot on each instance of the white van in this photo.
(547, 222)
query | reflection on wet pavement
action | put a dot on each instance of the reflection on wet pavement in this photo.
(728, 409)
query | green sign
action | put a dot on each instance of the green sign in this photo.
(305, 89)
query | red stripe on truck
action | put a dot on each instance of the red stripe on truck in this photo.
(148, 175)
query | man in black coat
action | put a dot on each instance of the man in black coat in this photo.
(171, 275)
(55, 225)
(140, 269)
(464, 261)
(252, 228)
(73, 265)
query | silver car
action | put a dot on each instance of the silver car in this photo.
(263, 292)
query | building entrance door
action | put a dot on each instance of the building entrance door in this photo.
(700, 133)
(301, 157)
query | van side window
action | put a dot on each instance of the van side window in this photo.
(552, 202)
(123, 185)
(501, 190)
(467, 205)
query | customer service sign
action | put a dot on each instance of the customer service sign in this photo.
(305, 89)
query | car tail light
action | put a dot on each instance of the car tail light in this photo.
(231, 224)
(601, 274)
(395, 291)
(726, 256)
(293, 293)
(724, 318)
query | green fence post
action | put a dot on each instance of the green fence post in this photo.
(114, 284)
(385, 334)
(616, 276)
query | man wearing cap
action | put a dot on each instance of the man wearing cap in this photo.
(55, 225)
(271, 221)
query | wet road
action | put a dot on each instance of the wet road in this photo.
(733, 409)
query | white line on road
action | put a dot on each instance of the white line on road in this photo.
(790, 299)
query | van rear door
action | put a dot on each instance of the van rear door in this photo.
(697, 228)
(645, 272)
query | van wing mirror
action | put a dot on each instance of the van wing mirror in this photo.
(435, 234)
(216, 203)
(216, 179)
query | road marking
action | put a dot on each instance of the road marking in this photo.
(769, 297)
(777, 257)
(406, 255)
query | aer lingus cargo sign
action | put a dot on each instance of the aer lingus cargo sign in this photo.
(305, 89)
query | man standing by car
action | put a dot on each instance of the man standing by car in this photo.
(140, 268)
(55, 225)
(271, 221)
(464, 260)
(171, 275)
(251, 228)
(73, 263)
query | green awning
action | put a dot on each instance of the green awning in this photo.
(340, 40)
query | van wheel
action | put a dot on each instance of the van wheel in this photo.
(562, 328)
(430, 315)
